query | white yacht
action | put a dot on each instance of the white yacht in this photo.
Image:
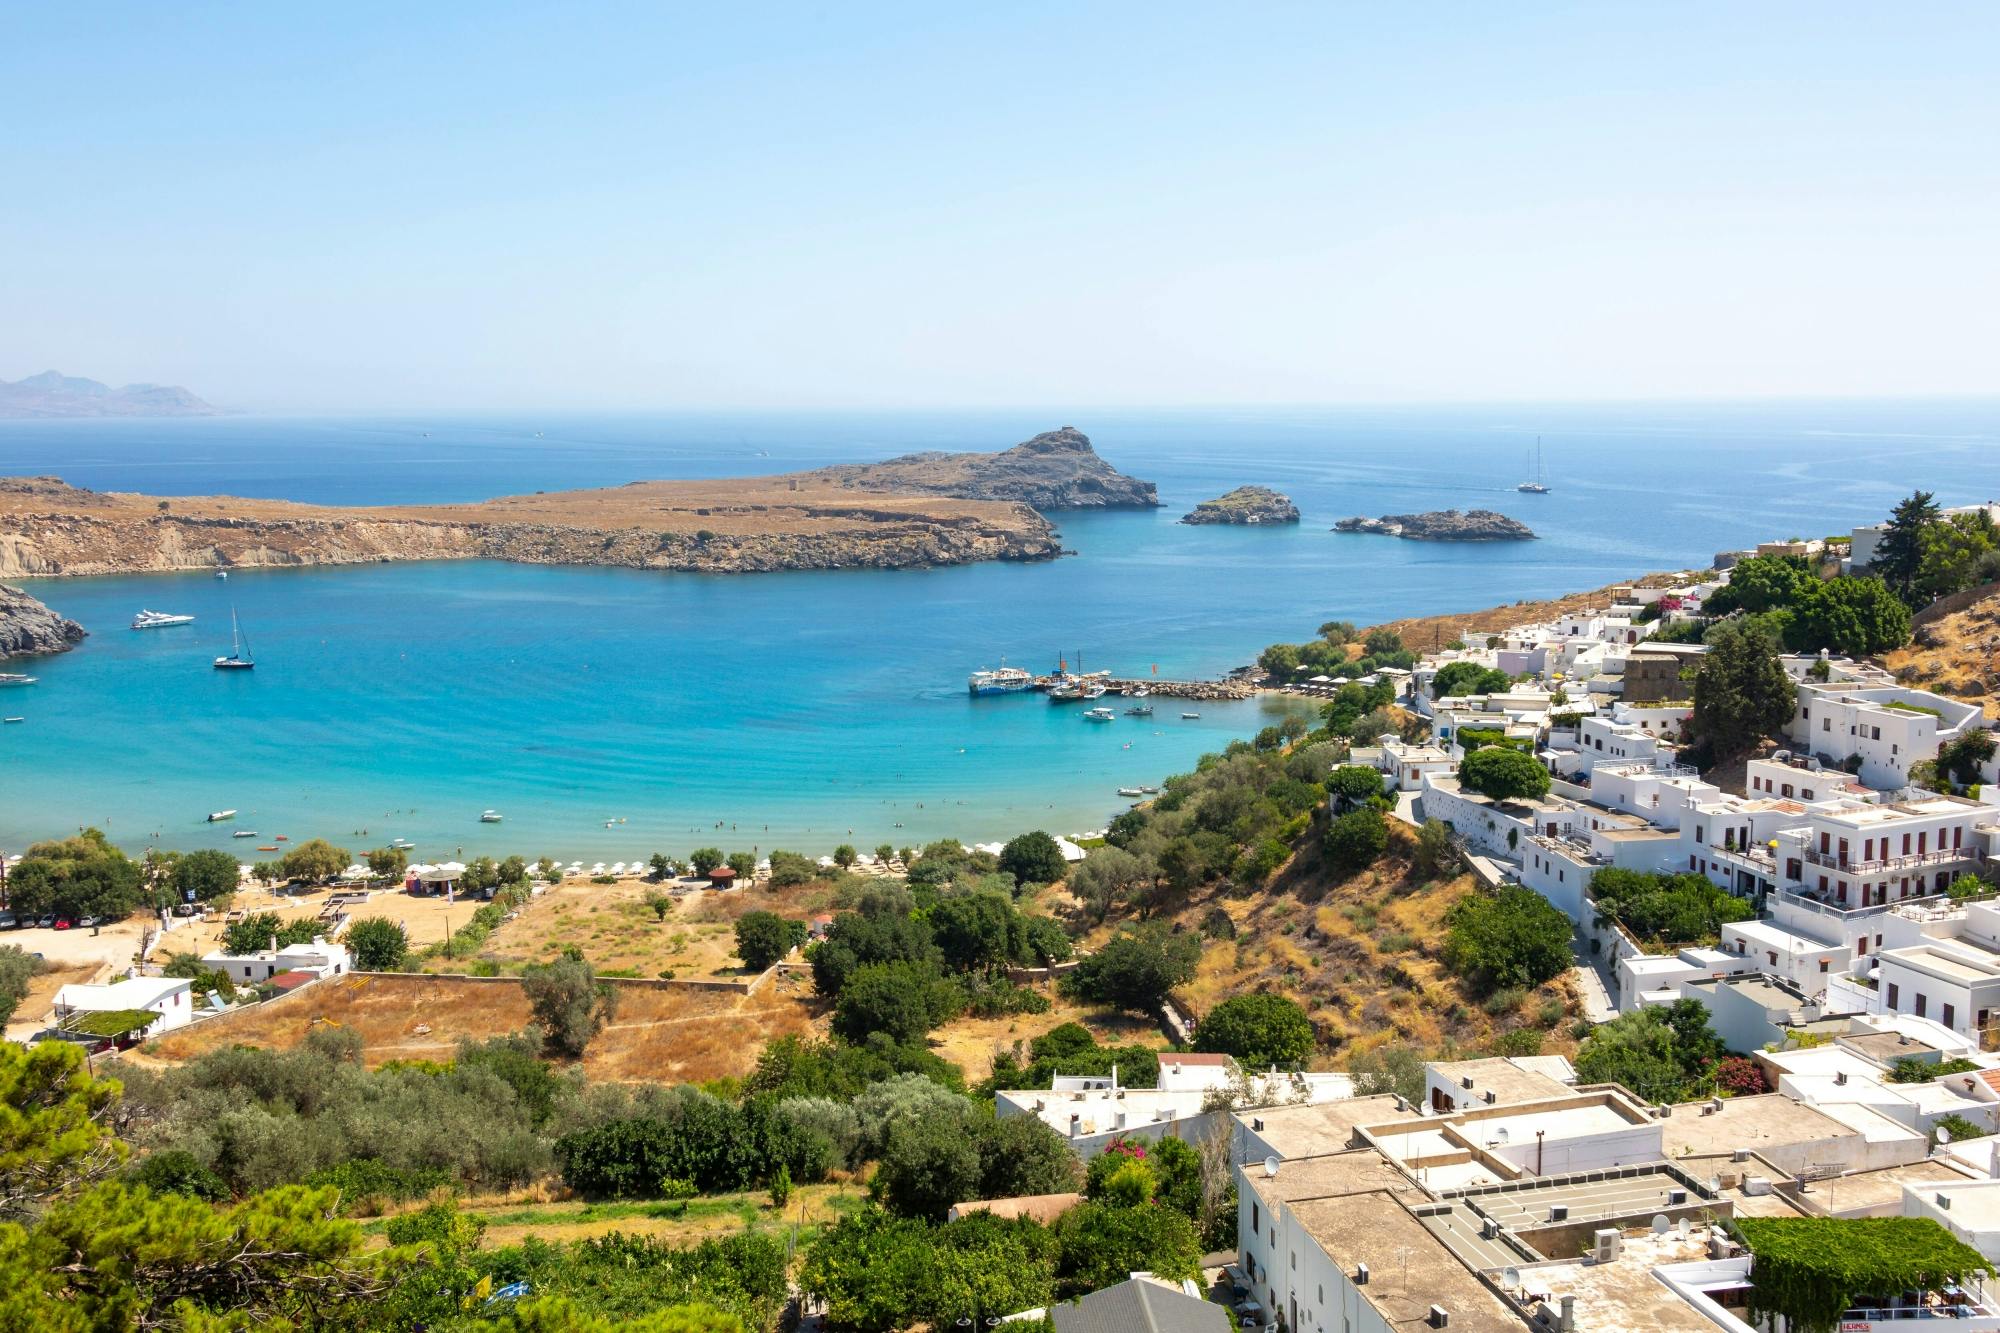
(217, 816)
(490, 816)
(159, 620)
(1099, 715)
(15, 678)
(1540, 483)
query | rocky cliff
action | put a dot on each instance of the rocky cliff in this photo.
(761, 524)
(27, 627)
(1443, 525)
(1057, 469)
(1245, 504)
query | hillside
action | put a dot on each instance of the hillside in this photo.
(1955, 649)
(1057, 469)
(53, 394)
(1360, 956)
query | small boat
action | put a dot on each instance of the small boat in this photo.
(489, 816)
(403, 844)
(1143, 710)
(244, 833)
(13, 719)
(239, 658)
(15, 678)
(268, 847)
(1099, 715)
(217, 816)
(159, 620)
(1130, 791)
(1190, 717)
(1150, 791)
(222, 573)
(281, 837)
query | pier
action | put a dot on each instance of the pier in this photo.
(1210, 690)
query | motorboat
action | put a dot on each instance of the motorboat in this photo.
(1099, 715)
(159, 620)
(1001, 680)
(1130, 791)
(15, 678)
(490, 816)
(13, 719)
(244, 833)
(217, 816)
(239, 658)
(1190, 717)
(1143, 710)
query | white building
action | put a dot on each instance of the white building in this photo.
(320, 958)
(169, 997)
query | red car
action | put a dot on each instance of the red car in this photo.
(62, 923)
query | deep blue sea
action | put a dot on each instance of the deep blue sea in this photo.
(786, 710)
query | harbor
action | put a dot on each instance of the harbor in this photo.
(1063, 685)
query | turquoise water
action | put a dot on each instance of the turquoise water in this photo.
(793, 708)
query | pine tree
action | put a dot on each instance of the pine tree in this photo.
(1900, 553)
(1741, 692)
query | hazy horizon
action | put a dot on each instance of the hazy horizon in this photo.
(478, 209)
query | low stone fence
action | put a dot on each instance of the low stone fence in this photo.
(1029, 976)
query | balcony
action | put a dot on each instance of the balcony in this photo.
(1890, 865)
(1834, 911)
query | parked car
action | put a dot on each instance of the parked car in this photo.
(88, 920)
(8, 921)
(62, 923)
(47, 919)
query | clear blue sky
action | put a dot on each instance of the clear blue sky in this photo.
(358, 205)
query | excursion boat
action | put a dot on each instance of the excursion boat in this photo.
(1143, 710)
(239, 658)
(15, 678)
(1002, 680)
(159, 620)
(1099, 715)
(217, 816)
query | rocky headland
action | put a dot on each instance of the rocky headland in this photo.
(1247, 505)
(28, 628)
(1057, 469)
(53, 394)
(1443, 525)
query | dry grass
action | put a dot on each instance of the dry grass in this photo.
(616, 928)
(513, 1218)
(1956, 654)
(971, 1043)
(1360, 955)
(661, 1034)
(1428, 633)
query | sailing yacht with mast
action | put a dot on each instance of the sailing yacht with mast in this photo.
(1540, 484)
(239, 658)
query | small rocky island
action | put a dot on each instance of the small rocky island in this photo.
(1055, 470)
(28, 628)
(1443, 525)
(1248, 505)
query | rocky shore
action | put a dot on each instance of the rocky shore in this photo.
(1057, 469)
(28, 628)
(1442, 525)
(1246, 505)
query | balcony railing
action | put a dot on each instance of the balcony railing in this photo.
(1891, 864)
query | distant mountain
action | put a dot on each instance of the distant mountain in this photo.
(51, 394)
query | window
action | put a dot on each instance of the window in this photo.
(1893, 994)
(1948, 1014)
(1698, 832)
(1806, 792)
(1788, 789)
(1874, 733)
(1256, 1223)
(1826, 724)
(1772, 956)
(1921, 1004)
(1822, 964)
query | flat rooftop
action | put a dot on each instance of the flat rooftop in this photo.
(1604, 1197)
(1975, 1204)
(1463, 1230)
(1508, 1081)
(1623, 1296)
(1941, 964)
(1756, 1123)
(1328, 1127)
(1336, 1176)
(1880, 1193)
(1887, 1047)
(1552, 1123)
(1410, 1267)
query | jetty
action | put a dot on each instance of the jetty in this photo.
(1216, 691)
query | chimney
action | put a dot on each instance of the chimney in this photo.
(1840, 1078)
(1489, 1096)
(1075, 1126)
(1567, 1323)
(1257, 1124)
(1361, 1275)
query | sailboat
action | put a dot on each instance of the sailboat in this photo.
(1540, 484)
(239, 658)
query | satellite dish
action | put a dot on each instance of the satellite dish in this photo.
(1684, 1226)
(1660, 1224)
(1500, 1135)
(1270, 1167)
(1511, 1279)
(1942, 1135)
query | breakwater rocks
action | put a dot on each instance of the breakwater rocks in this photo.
(28, 628)
(1057, 469)
(1246, 505)
(1443, 525)
(756, 525)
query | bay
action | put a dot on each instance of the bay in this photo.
(785, 710)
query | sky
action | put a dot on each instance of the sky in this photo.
(370, 206)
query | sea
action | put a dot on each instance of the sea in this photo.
(608, 714)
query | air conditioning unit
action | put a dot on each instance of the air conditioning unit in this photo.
(1559, 1212)
(1439, 1317)
(1676, 1198)
(1607, 1245)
